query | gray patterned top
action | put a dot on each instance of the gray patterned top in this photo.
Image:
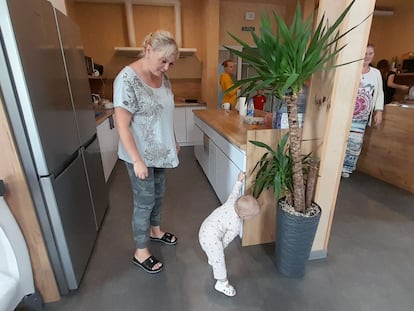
(152, 112)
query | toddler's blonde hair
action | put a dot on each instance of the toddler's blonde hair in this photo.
(247, 205)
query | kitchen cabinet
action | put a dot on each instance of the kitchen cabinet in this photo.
(108, 143)
(180, 125)
(220, 160)
(225, 152)
(186, 133)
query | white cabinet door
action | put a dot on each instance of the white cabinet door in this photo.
(108, 143)
(226, 175)
(180, 124)
(194, 134)
(201, 153)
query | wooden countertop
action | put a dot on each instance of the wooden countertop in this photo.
(184, 104)
(105, 113)
(230, 124)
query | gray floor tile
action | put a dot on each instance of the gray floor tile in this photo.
(369, 264)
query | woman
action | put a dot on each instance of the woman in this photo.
(369, 104)
(144, 106)
(226, 82)
(389, 86)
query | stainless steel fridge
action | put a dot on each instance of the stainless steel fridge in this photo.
(44, 85)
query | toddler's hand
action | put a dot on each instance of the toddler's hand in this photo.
(241, 176)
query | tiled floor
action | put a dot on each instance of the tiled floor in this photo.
(369, 265)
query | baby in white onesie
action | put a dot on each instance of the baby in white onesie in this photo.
(221, 227)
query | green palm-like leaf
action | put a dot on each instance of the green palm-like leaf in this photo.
(284, 59)
(289, 56)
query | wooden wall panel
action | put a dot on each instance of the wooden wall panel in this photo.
(262, 228)
(387, 150)
(21, 205)
(150, 18)
(327, 122)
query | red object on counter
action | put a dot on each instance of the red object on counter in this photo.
(259, 101)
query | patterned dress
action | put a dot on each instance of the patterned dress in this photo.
(370, 97)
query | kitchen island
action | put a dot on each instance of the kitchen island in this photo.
(225, 152)
(388, 151)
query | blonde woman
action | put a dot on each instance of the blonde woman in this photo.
(144, 106)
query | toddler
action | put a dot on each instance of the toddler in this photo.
(221, 227)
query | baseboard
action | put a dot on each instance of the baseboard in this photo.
(319, 254)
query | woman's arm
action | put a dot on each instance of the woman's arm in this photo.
(378, 99)
(123, 119)
(391, 83)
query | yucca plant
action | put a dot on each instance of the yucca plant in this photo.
(274, 170)
(284, 59)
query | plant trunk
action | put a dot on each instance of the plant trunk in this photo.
(295, 152)
(311, 182)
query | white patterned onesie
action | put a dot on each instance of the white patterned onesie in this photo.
(218, 230)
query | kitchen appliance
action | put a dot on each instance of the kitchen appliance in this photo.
(408, 65)
(411, 93)
(44, 84)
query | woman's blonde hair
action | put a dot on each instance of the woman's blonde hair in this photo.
(160, 41)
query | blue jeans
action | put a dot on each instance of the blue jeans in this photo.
(148, 195)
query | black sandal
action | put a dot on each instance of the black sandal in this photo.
(167, 238)
(148, 264)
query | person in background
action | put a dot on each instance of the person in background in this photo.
(389, 86)
(226, 82)
(369, 105)
(221, 227)
(259, 100)
(144, 107)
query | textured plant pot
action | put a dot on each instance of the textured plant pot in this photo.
(294, 238)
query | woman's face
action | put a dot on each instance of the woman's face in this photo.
(230, 69)
(369, 55)
(159, 63)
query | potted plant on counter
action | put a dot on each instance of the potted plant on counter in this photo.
(284, 60)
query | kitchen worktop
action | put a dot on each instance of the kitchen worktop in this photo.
(179, 104)
(230, 124)
(102, 114)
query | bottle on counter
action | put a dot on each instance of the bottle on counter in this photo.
(250, 108)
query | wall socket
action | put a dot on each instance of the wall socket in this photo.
(249, 16)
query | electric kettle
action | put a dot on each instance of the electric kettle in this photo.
(411, 93)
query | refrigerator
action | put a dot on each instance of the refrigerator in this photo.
(45, 88)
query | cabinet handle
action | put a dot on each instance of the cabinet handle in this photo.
(111, 122)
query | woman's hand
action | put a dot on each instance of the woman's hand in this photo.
(177, 147)
(140, 169)
(378, 117)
